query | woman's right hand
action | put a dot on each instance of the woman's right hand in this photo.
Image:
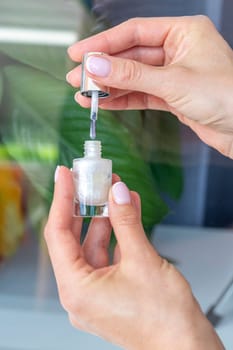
(181, 65)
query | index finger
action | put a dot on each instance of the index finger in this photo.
(134, 32)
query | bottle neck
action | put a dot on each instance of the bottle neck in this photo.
(92, 149)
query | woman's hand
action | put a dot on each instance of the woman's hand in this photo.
(138, 302)
(181, 65)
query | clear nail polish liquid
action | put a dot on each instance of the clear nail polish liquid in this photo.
(92, 179)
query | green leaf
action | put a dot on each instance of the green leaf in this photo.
(30, 126)
(164, 156)
(50, 59)
(42, 110)
(4, 154)
(157, 137)
(1, 86)
(37, 92)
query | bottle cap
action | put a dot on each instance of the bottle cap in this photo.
(88, 84)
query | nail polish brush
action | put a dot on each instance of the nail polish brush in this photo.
(90, 88)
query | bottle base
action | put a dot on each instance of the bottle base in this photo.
(83, 210)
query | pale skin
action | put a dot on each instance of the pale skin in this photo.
(182, 65)
(140, 301)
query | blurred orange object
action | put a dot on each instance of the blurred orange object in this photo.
(12, 222)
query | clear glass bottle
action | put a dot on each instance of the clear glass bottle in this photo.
(92, 179)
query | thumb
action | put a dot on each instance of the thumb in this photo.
(126, 74)
(125, 219)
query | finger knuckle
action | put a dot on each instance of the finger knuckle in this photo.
(203, 22)
(128, 219)
(70, 302)
(203, 19)
(133, 22)
(197, 25)
(130, 72)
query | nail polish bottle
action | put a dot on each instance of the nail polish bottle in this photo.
(92, 176)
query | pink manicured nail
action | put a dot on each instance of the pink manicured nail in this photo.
(56, 173)
(121, 193)
(98, 65)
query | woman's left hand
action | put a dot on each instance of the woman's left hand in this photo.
(140, 301)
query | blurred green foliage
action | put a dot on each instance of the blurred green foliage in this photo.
(42, 126)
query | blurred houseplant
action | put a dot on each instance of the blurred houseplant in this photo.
(42, 126)
(12, 210)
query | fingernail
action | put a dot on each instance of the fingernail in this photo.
(68, 75)
(56, 173)
(76, 96)
(121, 193)
(99, 66)
(69, 49)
